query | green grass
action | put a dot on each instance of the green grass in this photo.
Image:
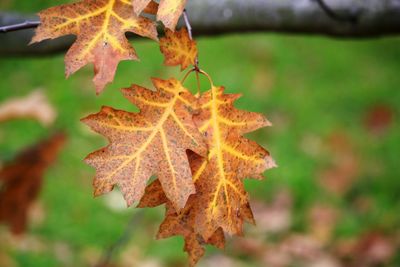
(305, 85)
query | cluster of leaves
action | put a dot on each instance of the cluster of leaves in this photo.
(193, 144)
(100, 27)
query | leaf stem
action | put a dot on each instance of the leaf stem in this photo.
(198, 71)
(198, 82)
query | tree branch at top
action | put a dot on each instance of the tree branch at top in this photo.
(374, 18)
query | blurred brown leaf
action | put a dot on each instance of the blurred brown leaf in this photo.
(6, 260)
(273, 217)
(21, 181)
(221, 261)
(344, 169)
(378, 119)
(322, 221)
(370, 249)
(33, 106)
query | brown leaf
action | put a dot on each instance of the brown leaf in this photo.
(378, 119)
(22, 180)
(273, 217)
(322, 221)
(178, 49)
(33, 106)
(220, 201)
(100, 27)
(182, 224)
(371, 249)
(168, 13)
(152, 142)
(140, 5)
(340, 177)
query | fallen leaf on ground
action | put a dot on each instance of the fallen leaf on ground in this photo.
(378, 119)
(340, 177)
(22, 180)
(273, 217)
(370, 249)
(322, 222)
(33, 106)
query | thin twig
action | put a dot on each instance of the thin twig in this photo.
(121, 241)
(351, 18)
(189, 28)
(187, 23)
(19, 26)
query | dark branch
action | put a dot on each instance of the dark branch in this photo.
(351, 18)
(19, 26)
(374, 18)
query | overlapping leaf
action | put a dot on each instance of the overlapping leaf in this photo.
(178, 49)
(21, 181)
(100, 27)
(169, 11)
(180, 223)
(153, 141)
(221, 201)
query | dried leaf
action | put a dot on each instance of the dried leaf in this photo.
(178, 48)
(182, 224)
(345, 169)
(34, 106)
(22, 180)
(168, 13)
(140, 5)
(378, 119)
(100, 27)
(153, 141)
(221, 201)
(372, 248)
(274, 217)
(322, 222)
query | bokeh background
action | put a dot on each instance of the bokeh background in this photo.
(333, 201)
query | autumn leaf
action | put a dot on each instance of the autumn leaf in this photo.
(151, 142)
(21, 181)
(140, 5)
(221, 201)
(178, 48)
(33, 106)
(100, 27)
(180, 224)
(168, 13)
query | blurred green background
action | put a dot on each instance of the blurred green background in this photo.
(334, 106)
